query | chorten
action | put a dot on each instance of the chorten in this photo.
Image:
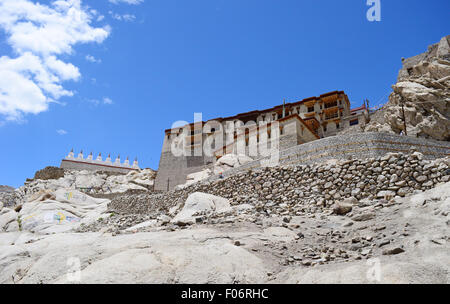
(108, 160)
(90, 157)
(80, 155)
(135, 164)
(117, 161)
(71, 155)
(127, 163)
(99, 158)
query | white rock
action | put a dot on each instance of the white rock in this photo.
(69, 209)
(201, 202)
(7, 217)
(150, 223)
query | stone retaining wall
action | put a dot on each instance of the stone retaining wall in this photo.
(306, 187)
(352, 146)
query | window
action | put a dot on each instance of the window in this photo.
(213, 130)
(325, 128)
(330, 105)
(331, 115)
(281, 131)
(311, 109)
(354, 122)
(337, 126)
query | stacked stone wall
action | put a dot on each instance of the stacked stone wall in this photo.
(306, 188)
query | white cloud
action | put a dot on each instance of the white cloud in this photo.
(61, 132)
(37, 34)
(124, 17)
(107, 100)
(134, 2)
(91, 58)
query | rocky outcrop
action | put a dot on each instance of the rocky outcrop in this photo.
(49, 173)
(91, 182)
(423, 88)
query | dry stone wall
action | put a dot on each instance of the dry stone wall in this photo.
(306, 188)
(359, 146)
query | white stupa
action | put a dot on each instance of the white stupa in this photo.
(117, 161)
(127, 163)
(90, 158)
(70, 155)
(108, 160)
(80, 156)
(99, 159)
(135, 164)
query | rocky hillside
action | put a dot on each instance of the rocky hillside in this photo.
(403, 240)
(354, 221)
(423, 87)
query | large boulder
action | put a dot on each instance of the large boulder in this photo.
(66, 210)
(230, 161)
(201, 203)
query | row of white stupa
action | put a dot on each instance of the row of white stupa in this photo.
(99, 160)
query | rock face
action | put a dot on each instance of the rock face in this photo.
(91, 182)
(423, 87)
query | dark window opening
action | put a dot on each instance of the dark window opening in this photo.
(354, 122)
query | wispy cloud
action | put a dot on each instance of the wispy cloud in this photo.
(124, 17)
(107, 100)
(38, 34)
(134, 2)
(104, 100)
(91, 58)
(61, 132)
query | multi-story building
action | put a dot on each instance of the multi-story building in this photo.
(196, 146)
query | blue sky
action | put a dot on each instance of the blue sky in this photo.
(146, 65)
